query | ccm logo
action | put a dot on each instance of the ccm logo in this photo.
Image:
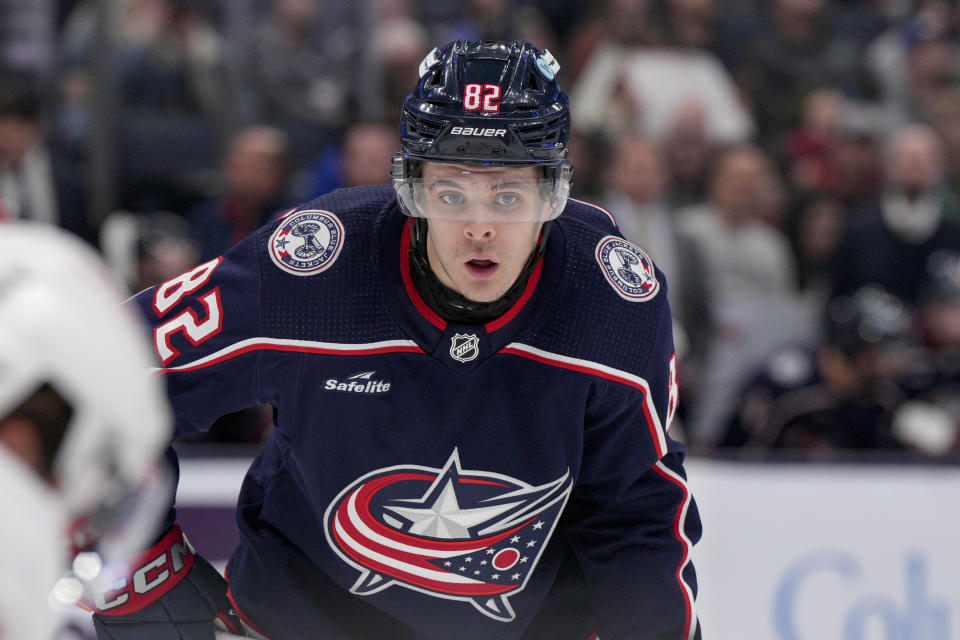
(474, 131)
(165, 569)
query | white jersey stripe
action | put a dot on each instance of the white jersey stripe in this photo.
(304, 346)
(602, 370)
(430, 574)
(370, 534)
(687, 545)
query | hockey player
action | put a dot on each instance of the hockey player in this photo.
(842, 394)
(473, 382)
(80, 426)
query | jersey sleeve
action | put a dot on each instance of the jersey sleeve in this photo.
(631, 520)
(204, 327)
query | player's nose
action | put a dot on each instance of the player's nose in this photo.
(479, 228)
(479, 231)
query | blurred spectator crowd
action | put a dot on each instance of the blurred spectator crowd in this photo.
(793, 166)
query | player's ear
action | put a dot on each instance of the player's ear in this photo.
(20, 437)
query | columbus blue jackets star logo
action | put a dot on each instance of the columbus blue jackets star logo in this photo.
(307, 242)
(627, 268)
(449, 533)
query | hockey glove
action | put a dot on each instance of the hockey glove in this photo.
(171, 593)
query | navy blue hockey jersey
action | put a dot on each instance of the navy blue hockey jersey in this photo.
(433, 480)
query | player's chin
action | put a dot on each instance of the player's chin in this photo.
(483, 291)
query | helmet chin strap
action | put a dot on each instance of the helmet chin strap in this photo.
(451, 305)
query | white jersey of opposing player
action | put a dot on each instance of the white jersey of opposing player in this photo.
(34, 554)
(61, 324)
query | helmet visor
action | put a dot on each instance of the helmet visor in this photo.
(501, 194)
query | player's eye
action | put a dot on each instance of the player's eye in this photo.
(506, 199)
(451, 198)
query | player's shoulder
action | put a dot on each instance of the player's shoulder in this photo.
(589, 214)
(605, 270)
(353, 201)
(348, 207)
(276, 283)
(611, 306)
(320, 268)
(312, 237)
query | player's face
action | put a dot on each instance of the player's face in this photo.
(480, 252)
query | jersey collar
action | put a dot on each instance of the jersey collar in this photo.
(431, 331)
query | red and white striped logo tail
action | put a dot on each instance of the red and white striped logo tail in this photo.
(449, 533)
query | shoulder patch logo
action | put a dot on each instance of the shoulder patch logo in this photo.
(628, 269)
(307, 242)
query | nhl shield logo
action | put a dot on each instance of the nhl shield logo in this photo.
(448, 533)
(628, 269)
(307, 242)
(464, 347)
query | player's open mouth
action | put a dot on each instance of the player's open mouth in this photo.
(481, 268)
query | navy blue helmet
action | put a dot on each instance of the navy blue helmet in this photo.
(487, 104)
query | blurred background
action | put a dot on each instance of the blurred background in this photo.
(792, 165)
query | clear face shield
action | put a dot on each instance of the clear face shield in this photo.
(463, 192)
